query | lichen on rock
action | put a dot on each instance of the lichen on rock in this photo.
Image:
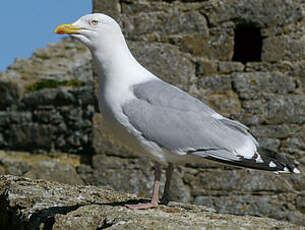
(38, 204)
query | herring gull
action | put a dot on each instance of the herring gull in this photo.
(159, 120)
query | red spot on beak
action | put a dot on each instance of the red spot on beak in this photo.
(61, 32)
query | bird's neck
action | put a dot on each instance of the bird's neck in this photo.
(116, 64)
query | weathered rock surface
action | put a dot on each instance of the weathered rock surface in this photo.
(58, 167)
(38, 204)
(48, 101)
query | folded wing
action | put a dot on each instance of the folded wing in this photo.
(181, 123)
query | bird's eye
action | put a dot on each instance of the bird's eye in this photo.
(94, 22)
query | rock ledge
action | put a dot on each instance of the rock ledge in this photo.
(38, 204)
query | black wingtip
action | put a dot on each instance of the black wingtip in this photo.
(279, 163)
(265, 160)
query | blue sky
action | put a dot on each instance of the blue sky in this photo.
(29, 24)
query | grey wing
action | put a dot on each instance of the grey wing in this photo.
(181, 123)
(180, 131)
(160, 93)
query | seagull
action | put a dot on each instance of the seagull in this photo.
(158, 120)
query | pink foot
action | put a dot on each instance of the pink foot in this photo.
(142, 205)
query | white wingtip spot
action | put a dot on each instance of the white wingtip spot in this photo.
(259, 158)
(296, 171)
(285, 170)
(272, 165)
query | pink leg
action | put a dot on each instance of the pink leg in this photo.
(169, 172)
(155, 196)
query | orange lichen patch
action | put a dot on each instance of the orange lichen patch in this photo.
(244, 207)
(171, 210)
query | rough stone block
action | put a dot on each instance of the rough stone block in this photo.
(269, 143)
(114, 171)
(253, 85)
(167, 23)
(194, 44)
(239, 181)
(254, 205)
(111, 8)
(219, 46)
(37, 166)
(300, 201)
(289, 108)
(248, 118)
(30, 136)
(295, 144)
(260, 12)
(214, 84)
(282, 48)
(227, 103)
(254, 107)
(136, 7)
(298, 72)
(10, 92)
(230, 67)
(14, 117)
(56, 97)
(166, 61)
(206, 67)
(275, 131)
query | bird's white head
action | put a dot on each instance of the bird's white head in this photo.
(103, 36)
(94, 30)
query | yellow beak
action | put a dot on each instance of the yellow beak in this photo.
(67, 29)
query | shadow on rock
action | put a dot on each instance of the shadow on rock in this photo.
(46, 216)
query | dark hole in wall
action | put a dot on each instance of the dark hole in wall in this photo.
(247, 43)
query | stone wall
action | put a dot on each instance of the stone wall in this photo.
(196, 45)
(48, 102)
